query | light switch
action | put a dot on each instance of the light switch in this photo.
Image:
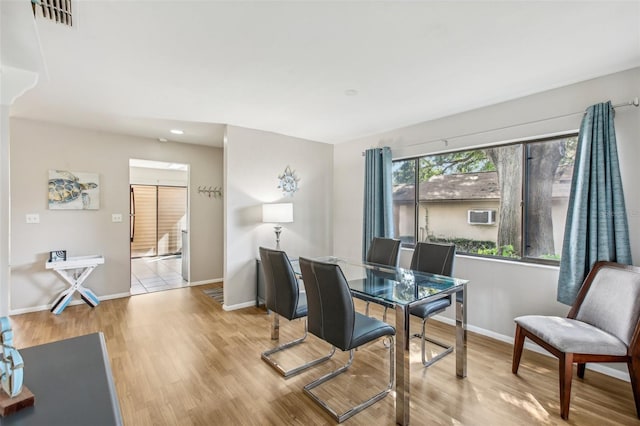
(116, 217)
(33, 218)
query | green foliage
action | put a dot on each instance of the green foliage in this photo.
(569, 155)
(443, 164)
(550, 256)
(404, 172)
(474, 161)
(465, 245)
(502, 251)
(485, 248)
(455, 163)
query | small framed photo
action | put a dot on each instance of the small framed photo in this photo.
(57, 256)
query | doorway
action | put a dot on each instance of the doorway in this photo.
(158, 194)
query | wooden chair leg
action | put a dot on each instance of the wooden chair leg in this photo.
(518, 344)
(634, 373)
(581, 367)
(565, 362)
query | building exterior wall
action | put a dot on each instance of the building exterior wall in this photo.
(559, 214)
(404, 221)
(449, 220)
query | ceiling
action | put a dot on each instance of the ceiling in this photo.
(326, 71)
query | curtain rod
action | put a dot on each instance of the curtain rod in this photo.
(634, 102)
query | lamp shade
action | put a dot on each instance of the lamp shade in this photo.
(277, 213)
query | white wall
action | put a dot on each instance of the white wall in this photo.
(498, 290)
(21, 65)
(4, 208)
(37, 147)
(253, 161)
(149, 176)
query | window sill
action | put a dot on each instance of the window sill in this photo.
(527, 263)
(509, 261)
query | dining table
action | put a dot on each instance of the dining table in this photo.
(402, 289)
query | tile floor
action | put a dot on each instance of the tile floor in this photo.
(149, 274)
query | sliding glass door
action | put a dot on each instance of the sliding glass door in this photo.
(158, 216)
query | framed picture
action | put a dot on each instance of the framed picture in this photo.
(57, 256)
(73, 190)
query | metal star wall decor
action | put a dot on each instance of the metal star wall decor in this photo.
(288, 181)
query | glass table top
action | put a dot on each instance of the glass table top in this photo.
(389, 284)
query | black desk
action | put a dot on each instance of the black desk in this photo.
(72, 382)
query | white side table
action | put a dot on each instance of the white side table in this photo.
(66, 269)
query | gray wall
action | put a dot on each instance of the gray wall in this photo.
(498, 290)
(253, 161)
(37, 147)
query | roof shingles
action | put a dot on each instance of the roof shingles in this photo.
(471, 186)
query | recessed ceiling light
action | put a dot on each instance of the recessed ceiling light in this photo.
(177, 131)
(162, 139)
(351, 92)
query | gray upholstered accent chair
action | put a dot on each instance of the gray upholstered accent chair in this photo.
(435, 259)
(283, 298)
(385, 252)
(602, 326)
(332, 317)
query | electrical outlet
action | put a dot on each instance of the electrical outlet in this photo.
(116, 217)
(32, 218)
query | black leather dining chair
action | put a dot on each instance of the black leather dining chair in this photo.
(386, 252)
(283, 298)
(435, 259)
(332, 317)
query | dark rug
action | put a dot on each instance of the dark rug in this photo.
(216, 294)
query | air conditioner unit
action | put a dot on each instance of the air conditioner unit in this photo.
(481, 217)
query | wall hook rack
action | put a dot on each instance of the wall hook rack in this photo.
(215, 192)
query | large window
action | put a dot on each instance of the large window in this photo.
(507, 201)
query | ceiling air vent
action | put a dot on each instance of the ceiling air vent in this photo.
(56, 10)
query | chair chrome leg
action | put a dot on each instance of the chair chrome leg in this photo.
(266, 355)
(384, 319)
(447, 349)
(354, 410)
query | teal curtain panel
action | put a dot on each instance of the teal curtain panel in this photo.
(596, 227)
(378, 207)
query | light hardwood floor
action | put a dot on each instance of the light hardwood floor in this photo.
(179, 359)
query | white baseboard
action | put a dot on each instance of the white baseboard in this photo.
(600, 368)
(239, 306)
(113, 296)
(73, 302)
(213, 281)
(32, 309)
(108, 297)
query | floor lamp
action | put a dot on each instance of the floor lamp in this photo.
(277, 213)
